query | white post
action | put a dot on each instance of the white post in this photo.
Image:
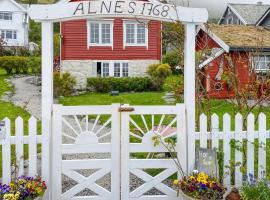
(47, 98)
(189, 93)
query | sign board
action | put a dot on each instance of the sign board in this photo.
(206, 161)
(152, 9)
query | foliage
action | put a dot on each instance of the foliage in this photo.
(2, 47)
(18, 64)
(64, 84)
(173, 59)
(56, 44)
(175, 84)
(254, 189)
(128, 84)
(173, 35)
(158, 74)
(201, 186)
(23, 187)
(35, 32)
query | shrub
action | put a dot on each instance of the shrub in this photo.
(158, 74)
(175, 84)
(172, 58)
(18, 64)
(63, 84)
(128, 84)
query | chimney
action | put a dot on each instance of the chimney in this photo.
(259, 3)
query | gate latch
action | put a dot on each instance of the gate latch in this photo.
(126, 109)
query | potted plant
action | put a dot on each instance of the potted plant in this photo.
(23, 188)
(199, 186)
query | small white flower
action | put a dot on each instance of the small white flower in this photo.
(195, 171)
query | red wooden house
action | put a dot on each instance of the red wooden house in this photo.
(109, 47)
(245, 48)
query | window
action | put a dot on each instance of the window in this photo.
(135, 34)
(5, 16)
(8, 34)
(125, 70)
(117, 70)
(261, 63)
(105, 69)
(101, 33)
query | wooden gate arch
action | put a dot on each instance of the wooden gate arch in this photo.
(93, 9)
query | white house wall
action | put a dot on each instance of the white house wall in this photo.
(17, 23)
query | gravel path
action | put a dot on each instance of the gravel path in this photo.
(26, 95)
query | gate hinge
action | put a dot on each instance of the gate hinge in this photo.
(126, 109)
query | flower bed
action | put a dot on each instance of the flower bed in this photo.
(23, 188)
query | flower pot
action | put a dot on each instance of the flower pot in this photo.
(183, 196)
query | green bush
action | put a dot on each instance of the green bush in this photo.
(172, 58)
(255, 191)
(128, 84)
(63, 84)
(175, 84)
(18, 64)
(158, 74)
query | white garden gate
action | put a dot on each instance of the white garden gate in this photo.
(107, 152)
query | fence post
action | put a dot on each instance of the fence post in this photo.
(182, 137)
(19, 145)
(250, 144)
(227, 148)
(238, 154)
(262, 146)
(6, 172)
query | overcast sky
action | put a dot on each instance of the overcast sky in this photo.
(216, 7)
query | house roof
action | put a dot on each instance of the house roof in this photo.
(250, 13)
(21, 6)
(239, 37)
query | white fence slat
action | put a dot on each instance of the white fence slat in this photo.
(6, 156)
(115, 153)
(203, 131)
(238, 154)
(32, 128)
(215, 129)
(226, 148)
(262, 146)
(250, 144)
(19, 129)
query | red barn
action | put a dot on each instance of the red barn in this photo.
(247, 48)
(109, 47)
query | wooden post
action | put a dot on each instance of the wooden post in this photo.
(47, 99)
(189, 92)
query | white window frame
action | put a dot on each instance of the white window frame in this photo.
(7, 12)
(102, 69)
(111, 67)
(255, 63)
(13, 31)
(100, 22)
(136, 33)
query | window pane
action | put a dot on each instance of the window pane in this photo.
(141, 34)
(106, 70)
(94, 33)
(106, 33)
(125, 69)
(117, 70)
(5, 16)
(130, 33)
(14, 35)
(3, 35)
(8, 34)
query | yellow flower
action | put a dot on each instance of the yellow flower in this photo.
(176, 182)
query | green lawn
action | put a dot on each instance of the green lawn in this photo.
(144, 98)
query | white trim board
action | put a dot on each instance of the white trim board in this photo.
(219, 41)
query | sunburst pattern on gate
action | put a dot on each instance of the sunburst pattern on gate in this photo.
(86, 156)
(149, 166)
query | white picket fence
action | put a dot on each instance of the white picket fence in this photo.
(19, 140)
(203, 136)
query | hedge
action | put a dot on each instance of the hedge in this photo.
(127, 84)
(19, 64)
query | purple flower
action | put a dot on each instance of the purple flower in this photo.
(4, 188)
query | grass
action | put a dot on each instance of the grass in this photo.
(144, 98)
